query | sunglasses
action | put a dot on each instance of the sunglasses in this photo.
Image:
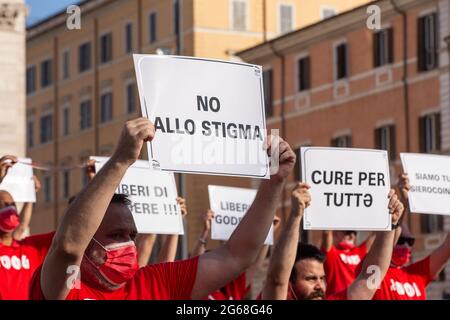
(405, 240)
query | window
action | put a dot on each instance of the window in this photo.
(326, 13)
(286, 18)
(47, 189)
(152, 27)
(385, 140)
(66, 184)
(131, 97)
(46, 73)
(268, 92)
(176, 17)
(85, 114)
(304, 74)
(430, 133)
(342, 142)
(106, 48)
(427, 42)
(431, 223)
(30, 133)
(65, 121)
(31, 79)
(298, 168)
(106, 107)
(239, 15)
(65, 64)
(383, 46)
(46, 128)
(341, 61)
(128, 37)
(84, 59)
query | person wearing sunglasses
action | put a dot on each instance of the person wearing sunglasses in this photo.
(405, 280)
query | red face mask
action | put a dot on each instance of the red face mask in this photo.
(401, 255)
(120, 265)
(344, 245)
(9, 219)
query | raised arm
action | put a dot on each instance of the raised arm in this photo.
(283, 258)
(83, 217)
(200, 246)
(6, 162)
(144, 246)
(219, 267)
(25, 214)
(378, 259)
(168, 250)
(327, 240)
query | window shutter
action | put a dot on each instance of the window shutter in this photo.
(420, 44)
(391, 44)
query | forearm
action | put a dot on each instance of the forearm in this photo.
(25, 218)
(247, 239)
(374, 267)
(168, 251)
(257, 265)
(145, 244)
(327, 240)
(200, 246)
(84, 215)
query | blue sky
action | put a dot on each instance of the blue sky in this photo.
(41, 9)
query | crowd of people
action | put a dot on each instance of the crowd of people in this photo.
(97, 253)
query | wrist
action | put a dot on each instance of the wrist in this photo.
(121, 163)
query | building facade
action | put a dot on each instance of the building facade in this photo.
(12, 77)
(340, 83)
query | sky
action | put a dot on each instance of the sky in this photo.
(41, 9)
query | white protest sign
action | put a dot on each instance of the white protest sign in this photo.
(19, 181)
(153, 195)
(429, 177)
(230, 205)
(349, 189)
(208, 114)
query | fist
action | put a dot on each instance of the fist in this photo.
(396, 207)
(300, 198)
(132, 138)
(182, 203)
(403, 185)
(282, 158)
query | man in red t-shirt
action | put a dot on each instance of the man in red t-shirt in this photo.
(18, 258)
(296, 270)
(342, 257)
(405, 281)
(95, 238)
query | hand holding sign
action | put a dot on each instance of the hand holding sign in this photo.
(90, 169)
(404, 186)
(395, 206)
(6, 162)
(282, 157)
(37, 184)
(134, 134)
(182, 203)
(300, 199)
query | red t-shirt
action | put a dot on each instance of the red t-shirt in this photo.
(340, 266)
(342, 295)
(164, 281)
(405, 283)
(18, 263)
(235, 290)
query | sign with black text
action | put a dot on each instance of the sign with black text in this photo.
(153, 195)
(429, 177)
(208, 114)
(19, 181)
(349, 188)
(230, 205)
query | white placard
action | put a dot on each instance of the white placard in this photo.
(230, 205)
(429, 176)
(349, 189)
(19, 181)
(153, 195)
(208, 114)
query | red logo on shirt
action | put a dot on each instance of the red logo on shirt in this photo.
(15, 262)
(411, 290)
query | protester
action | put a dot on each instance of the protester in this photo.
(296, 271)
(239, 288)
(406, 281)
(146, 242)
(19, 257)
(97, 233)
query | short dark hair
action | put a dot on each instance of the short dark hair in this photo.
(119, 198)
(307, 251)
